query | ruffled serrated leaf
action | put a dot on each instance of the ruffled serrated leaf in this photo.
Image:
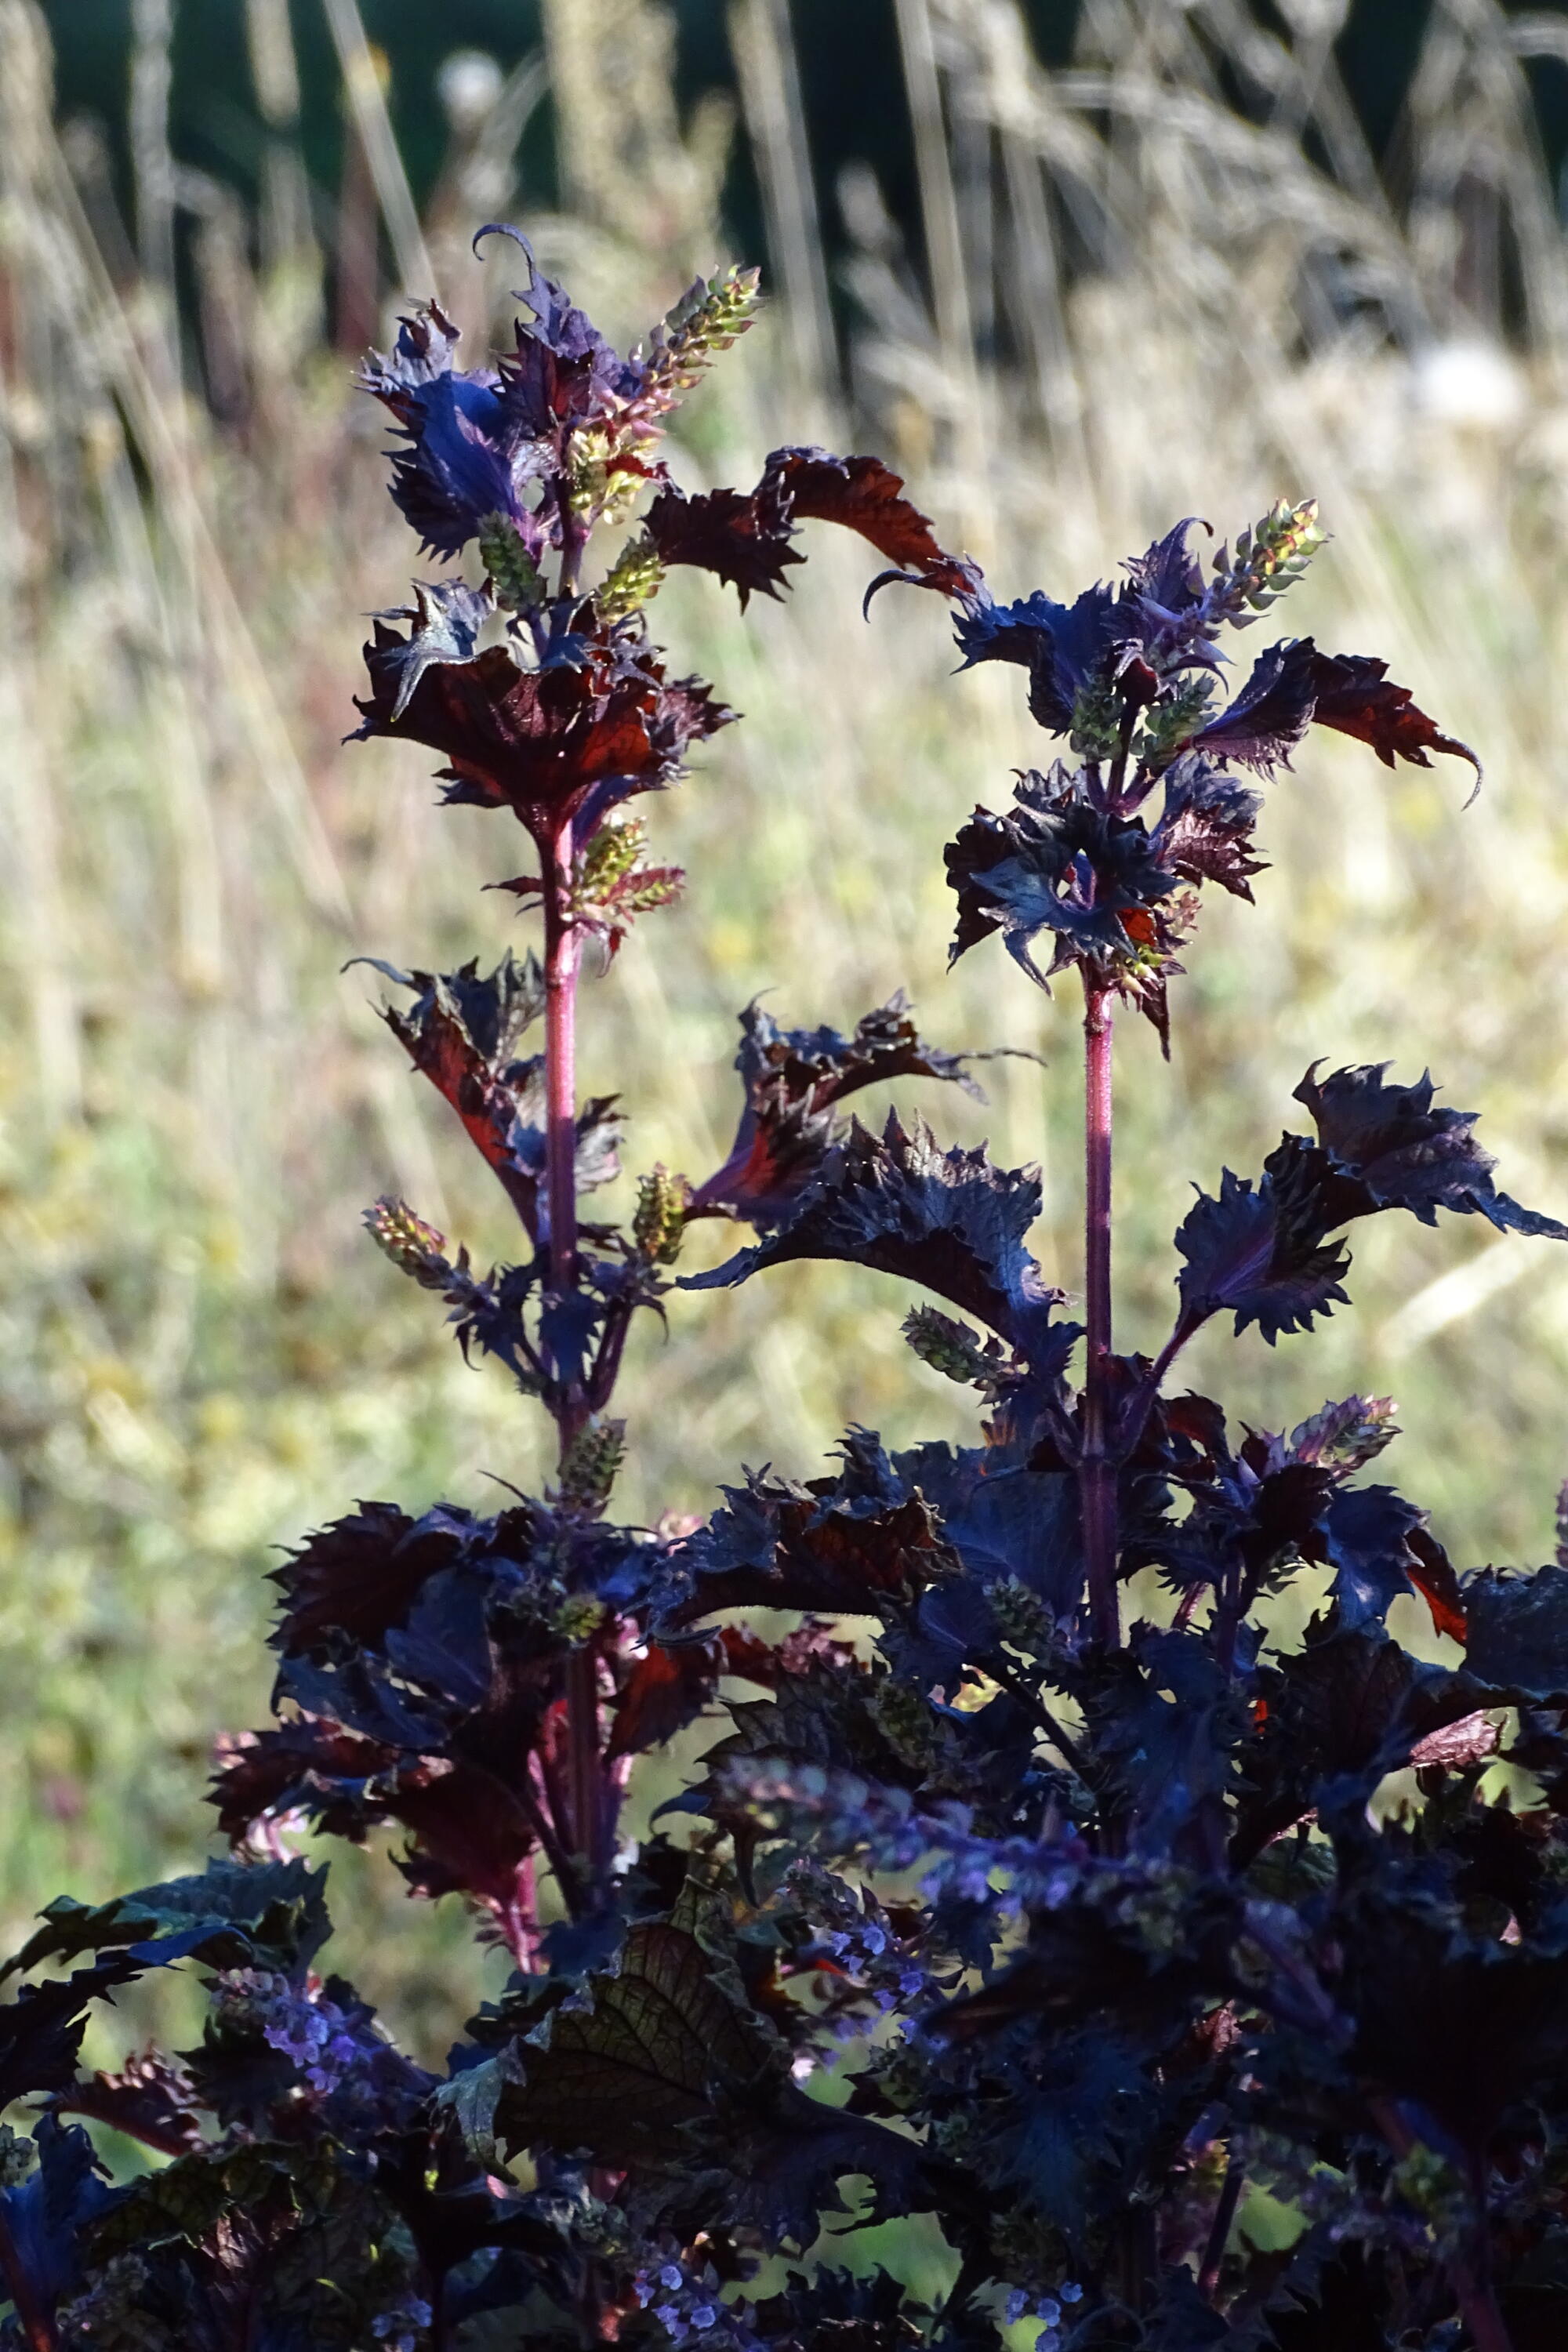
(1408, 1154)
(1248, 1252)
(468, 2102)
(744, 538)
(668, 2072)
(834, 1545)
(49, 2215)
(952, 1221)
(1056, 863)
(565, 742)
(793, 1079)
(865, 496)
(1367, 1536)
(41, 2031)
(1067, 649)
(1293, 685)
(234, 1915)
(462, 1034)
(445, 625)
(1206, 830)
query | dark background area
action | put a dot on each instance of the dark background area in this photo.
(849, 61)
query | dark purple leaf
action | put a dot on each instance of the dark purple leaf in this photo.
(793, 1079)
(744, 539)
(1064, 647)
(952, 1221)
(779, 1545)
(1406, 1154)
(1517, 1632)
(866, 497)
(1271, 713)
(1366, 1539)
(1247, 1253)
(1204, 832)
(1167, 578)
(446, 620)
(563, 742)
(41, 2031)
(1056, 862)
(361, 1573)
(233, 1914)
(47, 2217)
(468, 459)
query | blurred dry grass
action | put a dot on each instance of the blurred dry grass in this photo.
(1170, 279)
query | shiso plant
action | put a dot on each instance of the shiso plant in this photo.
(1205, 1988)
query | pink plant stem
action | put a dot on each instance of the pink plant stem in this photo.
(561, 959)
(561, 967)
(1097, 1472)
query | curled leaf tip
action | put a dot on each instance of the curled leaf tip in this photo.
(503, 229)
(883, 579)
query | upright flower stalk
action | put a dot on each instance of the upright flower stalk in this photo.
(563, 720)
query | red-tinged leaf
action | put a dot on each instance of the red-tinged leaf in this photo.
(152, 2099)
(470, 1833)
(441, 1051)
(1354, 695)
(670, 1686)
(951, 1219)
(550, 744)
(361, 1573)
(462, 1032)
(866, 497)
(302, 1766)
(792, 1080)
(666, 1689)
(1271, 713)
(1433, 1574)
(741, 538)
(1293, 687)
(1205, 832)
(781, 1546)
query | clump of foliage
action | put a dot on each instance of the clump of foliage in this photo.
(1034, 1884)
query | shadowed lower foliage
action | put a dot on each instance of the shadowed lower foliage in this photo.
(1073, 1915)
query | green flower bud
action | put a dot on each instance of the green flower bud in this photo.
(588, 1471)
(659, 1224)
(412, 1244)
(516, 578)
(633, 580)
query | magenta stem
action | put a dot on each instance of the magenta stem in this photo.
(584, 1770)
(1097, 1472)
(561, 960)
